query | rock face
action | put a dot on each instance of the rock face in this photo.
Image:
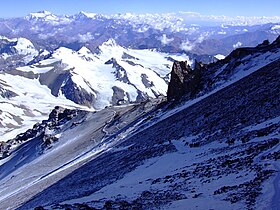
(42, 131)
(77, 94)
(184, 80)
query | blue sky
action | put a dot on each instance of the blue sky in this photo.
(17, 8)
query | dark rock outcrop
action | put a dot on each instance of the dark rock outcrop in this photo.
(120, 72)
(5, 93)
(57, 117)
(7, 46)
(201, 79)
(119, 96)
(77, 94)
(184, 80)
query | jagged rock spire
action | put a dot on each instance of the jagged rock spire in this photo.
(184, 80)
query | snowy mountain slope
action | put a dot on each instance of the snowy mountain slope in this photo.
(155, 167)
(114, 75)
(221, 149)
(24, 102)
(16, 52)
(71, 151)
(109, 76)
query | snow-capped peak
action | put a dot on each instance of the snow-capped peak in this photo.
(48, 17)
(40, 15)
(26, 48)
(110, 43)
(63, 52)
(87, 14)
(23, 43)
(111, 49)
(84, 51)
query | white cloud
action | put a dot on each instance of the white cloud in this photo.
(238, 44)
(46, 36)
(228, 20)
(86, 37)
(187, 45)
(202, 37)
(164, 40)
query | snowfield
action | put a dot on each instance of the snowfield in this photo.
(32, 104)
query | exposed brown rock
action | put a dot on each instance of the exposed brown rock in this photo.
(184, 80)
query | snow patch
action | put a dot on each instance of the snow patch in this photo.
(219, 56)
(85, 37)
(237, 45)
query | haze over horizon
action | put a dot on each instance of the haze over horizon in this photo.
(211, 7)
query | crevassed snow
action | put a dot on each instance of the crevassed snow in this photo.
(91, 74)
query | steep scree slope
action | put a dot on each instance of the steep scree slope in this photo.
(219, 153)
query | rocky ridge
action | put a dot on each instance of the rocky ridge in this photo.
(43, 131)
(202, 79)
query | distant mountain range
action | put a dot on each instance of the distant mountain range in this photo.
(190, 32)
